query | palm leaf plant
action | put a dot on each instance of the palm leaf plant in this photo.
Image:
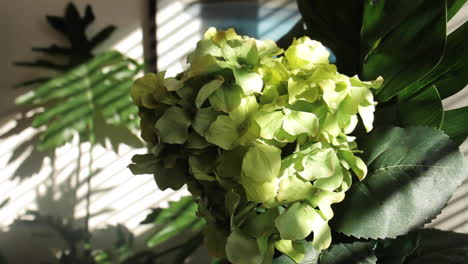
(281, 149)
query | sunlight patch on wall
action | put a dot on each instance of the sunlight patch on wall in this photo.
(178, 30)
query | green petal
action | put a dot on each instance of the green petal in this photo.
(296, 222)
(296, 122)
(305, 53)
(292, 189)
(207, 90)
(200, 167)
(250, 82)
(203, 119)
(223, 132)
(263, 192)
(319, 164)
(269, 122)
(149, 90)
(292, 249)
(242, 249)
(173, 125)
(247, 107)
(262, 163)
(226, 99)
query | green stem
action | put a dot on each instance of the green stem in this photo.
(244, 212)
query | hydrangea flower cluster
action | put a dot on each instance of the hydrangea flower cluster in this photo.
(261, 135)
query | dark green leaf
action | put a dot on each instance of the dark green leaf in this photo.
(432, 241)
(353, 253)
(456, 124)
(453, 6)
(452, 256)
(450, 75)
(396, 251)
(425, 109)
(396, 38)
(437, 246)
(413, 172)
(337, 24)
(424, 246)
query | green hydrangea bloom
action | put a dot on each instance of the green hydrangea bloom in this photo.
(262, 135)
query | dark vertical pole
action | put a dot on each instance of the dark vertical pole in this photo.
(152, 58)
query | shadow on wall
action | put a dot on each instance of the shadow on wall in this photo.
(78, 186)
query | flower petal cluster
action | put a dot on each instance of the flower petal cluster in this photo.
(261, 135)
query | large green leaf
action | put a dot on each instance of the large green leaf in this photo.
(424, 246)
(170, 222)
(413, 172)
(396, 38)
(352, 253)
(437, 246)
(396, 251)
(450, 75)
(424, 109)
(72, 99)
(456, 124)
(453, 6)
